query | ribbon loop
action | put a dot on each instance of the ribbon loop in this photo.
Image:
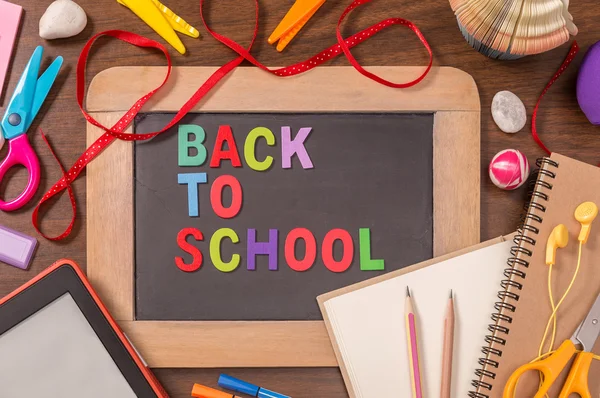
(63, 184)
(369, 32)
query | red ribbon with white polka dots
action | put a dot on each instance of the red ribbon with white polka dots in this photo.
(107, 138)
(116, 131)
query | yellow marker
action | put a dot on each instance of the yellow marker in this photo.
(294, 20)
(164, 21)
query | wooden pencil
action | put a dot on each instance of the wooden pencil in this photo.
(413, 349)
(448, 349)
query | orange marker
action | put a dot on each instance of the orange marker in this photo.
(294, 20)
(200, 391)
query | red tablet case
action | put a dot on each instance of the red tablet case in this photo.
(158, 389)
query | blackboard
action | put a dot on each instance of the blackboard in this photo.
(368, 171)
(174, 327)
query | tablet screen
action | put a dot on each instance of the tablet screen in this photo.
(55, 353)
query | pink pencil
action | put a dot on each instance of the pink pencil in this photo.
(413, 349)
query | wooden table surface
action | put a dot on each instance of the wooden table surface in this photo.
(563, 126)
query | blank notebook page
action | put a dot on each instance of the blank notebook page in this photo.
(370, 331)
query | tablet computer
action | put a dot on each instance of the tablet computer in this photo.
(57, 340)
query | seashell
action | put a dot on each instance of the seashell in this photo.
(511, 29)
(508, 111)
(588, 84)
(63, 18)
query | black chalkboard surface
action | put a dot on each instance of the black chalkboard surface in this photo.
(368, 171)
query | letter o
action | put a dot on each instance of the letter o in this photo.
(327, 250)
(216, 196)
(290, 249)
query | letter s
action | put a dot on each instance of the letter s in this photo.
(189, 248)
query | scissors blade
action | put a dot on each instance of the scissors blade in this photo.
(587, 333)
(22, 99)
(44, 84)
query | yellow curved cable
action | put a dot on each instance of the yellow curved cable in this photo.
(562, 299)
(553, 317)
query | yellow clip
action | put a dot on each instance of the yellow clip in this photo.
(294, 20)
(164, 21)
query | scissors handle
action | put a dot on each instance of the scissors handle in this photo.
(577, 381)
(20, 152)
(550, 367)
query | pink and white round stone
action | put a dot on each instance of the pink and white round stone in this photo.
(509, 169)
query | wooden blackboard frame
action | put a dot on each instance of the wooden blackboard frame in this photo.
(450, 94)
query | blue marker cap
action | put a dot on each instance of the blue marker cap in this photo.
(264, 393)
(231, 383)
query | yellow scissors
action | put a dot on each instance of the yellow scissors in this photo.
(577, 382)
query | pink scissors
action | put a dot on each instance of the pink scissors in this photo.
(24, 105)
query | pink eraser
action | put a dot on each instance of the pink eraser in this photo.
(16, 248)
(10, 19)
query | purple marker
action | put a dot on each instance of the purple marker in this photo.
(16, 249)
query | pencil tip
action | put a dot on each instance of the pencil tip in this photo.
(407, 292)
(451, 296)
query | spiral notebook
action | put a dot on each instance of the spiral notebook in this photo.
(520, 318)
(365, 321)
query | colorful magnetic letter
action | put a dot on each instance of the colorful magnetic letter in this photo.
(215, 250)
(250, 148)
(225, 136)
(192, 180)
(327, 250)
(290, 249)
(269, 248)
(290, 147)
(366, 262)
(216, 196)
(185, 159)
(189, 248)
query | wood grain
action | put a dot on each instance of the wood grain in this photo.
(111, 262)
(214, 344)
(249, 89)
(452, 178)
(111, 259)
(562, 125)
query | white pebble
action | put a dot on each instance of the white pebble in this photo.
(508, 112)
(63, 18)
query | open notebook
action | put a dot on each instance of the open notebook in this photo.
(366, 321)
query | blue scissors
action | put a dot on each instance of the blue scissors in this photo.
(24, 105)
